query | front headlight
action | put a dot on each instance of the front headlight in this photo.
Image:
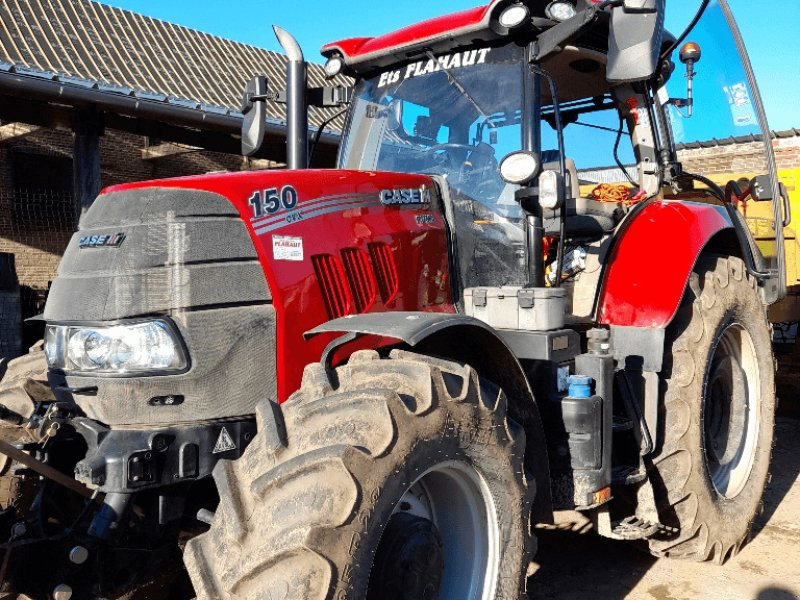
(150, 347)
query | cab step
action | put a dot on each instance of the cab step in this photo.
(628, 475)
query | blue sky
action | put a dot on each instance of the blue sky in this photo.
(770, 30)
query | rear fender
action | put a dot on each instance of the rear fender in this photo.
(467, 340)
(649, 267)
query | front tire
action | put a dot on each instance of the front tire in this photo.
(366, 490)
(718, 414)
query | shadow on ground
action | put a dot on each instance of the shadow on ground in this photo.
(774, 593)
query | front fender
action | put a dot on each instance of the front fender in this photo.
(466, 340)
(649, 266)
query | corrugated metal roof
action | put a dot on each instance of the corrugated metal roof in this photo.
(86, 43)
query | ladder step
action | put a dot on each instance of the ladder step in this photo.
(634, 528)
(627, 475)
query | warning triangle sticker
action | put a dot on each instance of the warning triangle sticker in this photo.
(224, 442)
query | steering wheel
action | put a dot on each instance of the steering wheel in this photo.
(450, 160)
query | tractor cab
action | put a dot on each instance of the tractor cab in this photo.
(459, 107)
(597, 103)
(438, 116)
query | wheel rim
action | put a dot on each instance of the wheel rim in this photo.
(456, 499)
(731, 415)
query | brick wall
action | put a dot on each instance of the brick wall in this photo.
(741, 158)
(38, 239)
(36, 226)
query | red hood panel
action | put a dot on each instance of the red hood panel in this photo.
(333, 243)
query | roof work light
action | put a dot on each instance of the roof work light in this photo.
(560, 11)
(514, 16)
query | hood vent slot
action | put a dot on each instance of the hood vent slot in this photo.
(361, 278)
(385, 271)
(331, 278)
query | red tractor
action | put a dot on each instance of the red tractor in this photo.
(510, 298)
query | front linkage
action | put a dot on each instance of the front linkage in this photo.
(87, 512)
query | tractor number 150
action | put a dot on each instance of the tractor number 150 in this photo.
(271, 201)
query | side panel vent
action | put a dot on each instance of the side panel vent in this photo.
(331, 278)
(361, 278)
(385, 270)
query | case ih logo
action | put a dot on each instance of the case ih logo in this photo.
(406, 196)
(101, 241)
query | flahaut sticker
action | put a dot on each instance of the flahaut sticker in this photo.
(287, 248)
(456, 60)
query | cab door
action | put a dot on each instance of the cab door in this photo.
(725, 137)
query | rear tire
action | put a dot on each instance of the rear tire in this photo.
(718, 413)
(302, 514)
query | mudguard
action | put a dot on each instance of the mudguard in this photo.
(467, 340)
(649, 267)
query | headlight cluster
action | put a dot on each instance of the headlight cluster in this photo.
(144, 347)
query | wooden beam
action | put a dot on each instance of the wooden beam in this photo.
(14, 131)
(60, 117)
(166, 149)
(86, 161)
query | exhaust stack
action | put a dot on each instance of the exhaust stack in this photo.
(296, 105)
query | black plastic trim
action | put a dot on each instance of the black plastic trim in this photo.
(410, 327)
(130, 460)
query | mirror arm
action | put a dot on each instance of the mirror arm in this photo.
(249, 99)
(330, 96)
(688, 102)
(683, 103)
(551, 40)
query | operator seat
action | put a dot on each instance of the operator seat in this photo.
(586, 217)
(482, 158)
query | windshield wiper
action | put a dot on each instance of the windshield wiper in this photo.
(461, 89)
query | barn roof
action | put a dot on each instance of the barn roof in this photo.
(87, 46)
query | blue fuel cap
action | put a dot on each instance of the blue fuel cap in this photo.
(580, 386)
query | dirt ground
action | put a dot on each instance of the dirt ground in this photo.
(574, 563)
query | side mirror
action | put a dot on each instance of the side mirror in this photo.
(634, 40)
(761, 188)
(254, 109)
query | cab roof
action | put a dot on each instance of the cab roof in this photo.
(394, 46)
(475, 25)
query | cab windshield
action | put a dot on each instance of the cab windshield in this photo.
(456, 116)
